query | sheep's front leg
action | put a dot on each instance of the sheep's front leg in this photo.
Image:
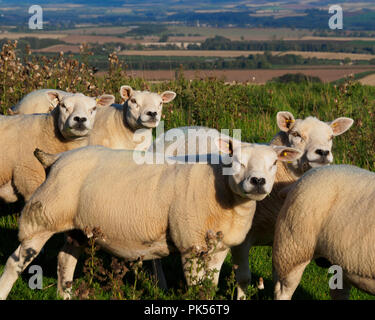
(67, 262)
(27, 179)
(19, 260)
(194, 271)
(285, 286)
(7, 193)
(240, 257)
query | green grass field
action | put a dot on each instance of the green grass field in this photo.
(251, 108)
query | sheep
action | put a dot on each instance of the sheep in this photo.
(37, 101)
(130, 126)
(314, 139)
(65, 128)
(310, 135)
(189, 140)
(330, 213)
(184, 203)
(127, 126)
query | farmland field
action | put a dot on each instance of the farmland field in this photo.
(238, 53)
(219, 57)
(212, 103)
(253, 76)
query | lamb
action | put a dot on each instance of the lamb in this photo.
(130, 126)
(311, 136)
(37, 101)
(184, 203)
(65, 128)
(330, 213)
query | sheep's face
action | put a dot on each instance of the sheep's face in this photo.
(254, 166)
(144, 108)
(312, 137)
(77, 113)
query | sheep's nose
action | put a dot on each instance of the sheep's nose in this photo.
(257, 181)
(152, 114)
(80, 119)
(322, 153)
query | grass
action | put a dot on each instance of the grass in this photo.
(210, 102)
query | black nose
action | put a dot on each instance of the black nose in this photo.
(322, 153)
(257, 181)
(79, 119)
(152, 114)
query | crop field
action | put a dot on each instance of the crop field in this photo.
(255, 76)
(209, 102)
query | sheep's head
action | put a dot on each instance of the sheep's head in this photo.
(144, 108)
(254, 166)
(77, 112)
(312, 137)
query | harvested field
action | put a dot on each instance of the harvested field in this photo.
(78, 39)
(97, 30)
(329, 55)
(258, 76)
(17, 35)
(369, 80)
(59, 48)
(189, 53)
(244, 33)
(238, 53)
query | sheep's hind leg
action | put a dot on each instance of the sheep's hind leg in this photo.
(20, 259)
(67, 261)
(341, 294)
(285, 287)
(159, 274)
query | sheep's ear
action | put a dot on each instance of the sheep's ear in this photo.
(126, 92)
(287, 154)
(285, 120)
(54, 97)
(105, 100)
(168, 96)
(225, 145)
(340, 125)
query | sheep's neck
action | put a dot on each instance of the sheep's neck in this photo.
(57, 141)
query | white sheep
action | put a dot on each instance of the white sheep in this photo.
(329, 213)
(183, 203)
(130, 126)
(311, 136)
(314, 139)
(65, 128)
(37, 101)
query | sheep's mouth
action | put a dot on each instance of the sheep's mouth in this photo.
(79, 127)
(151, 123)
(319, 163)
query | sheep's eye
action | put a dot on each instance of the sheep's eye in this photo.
(242, 165)
(275, 162)
(93, 109)
(295, 134)
(331, 138)
(133, 100)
